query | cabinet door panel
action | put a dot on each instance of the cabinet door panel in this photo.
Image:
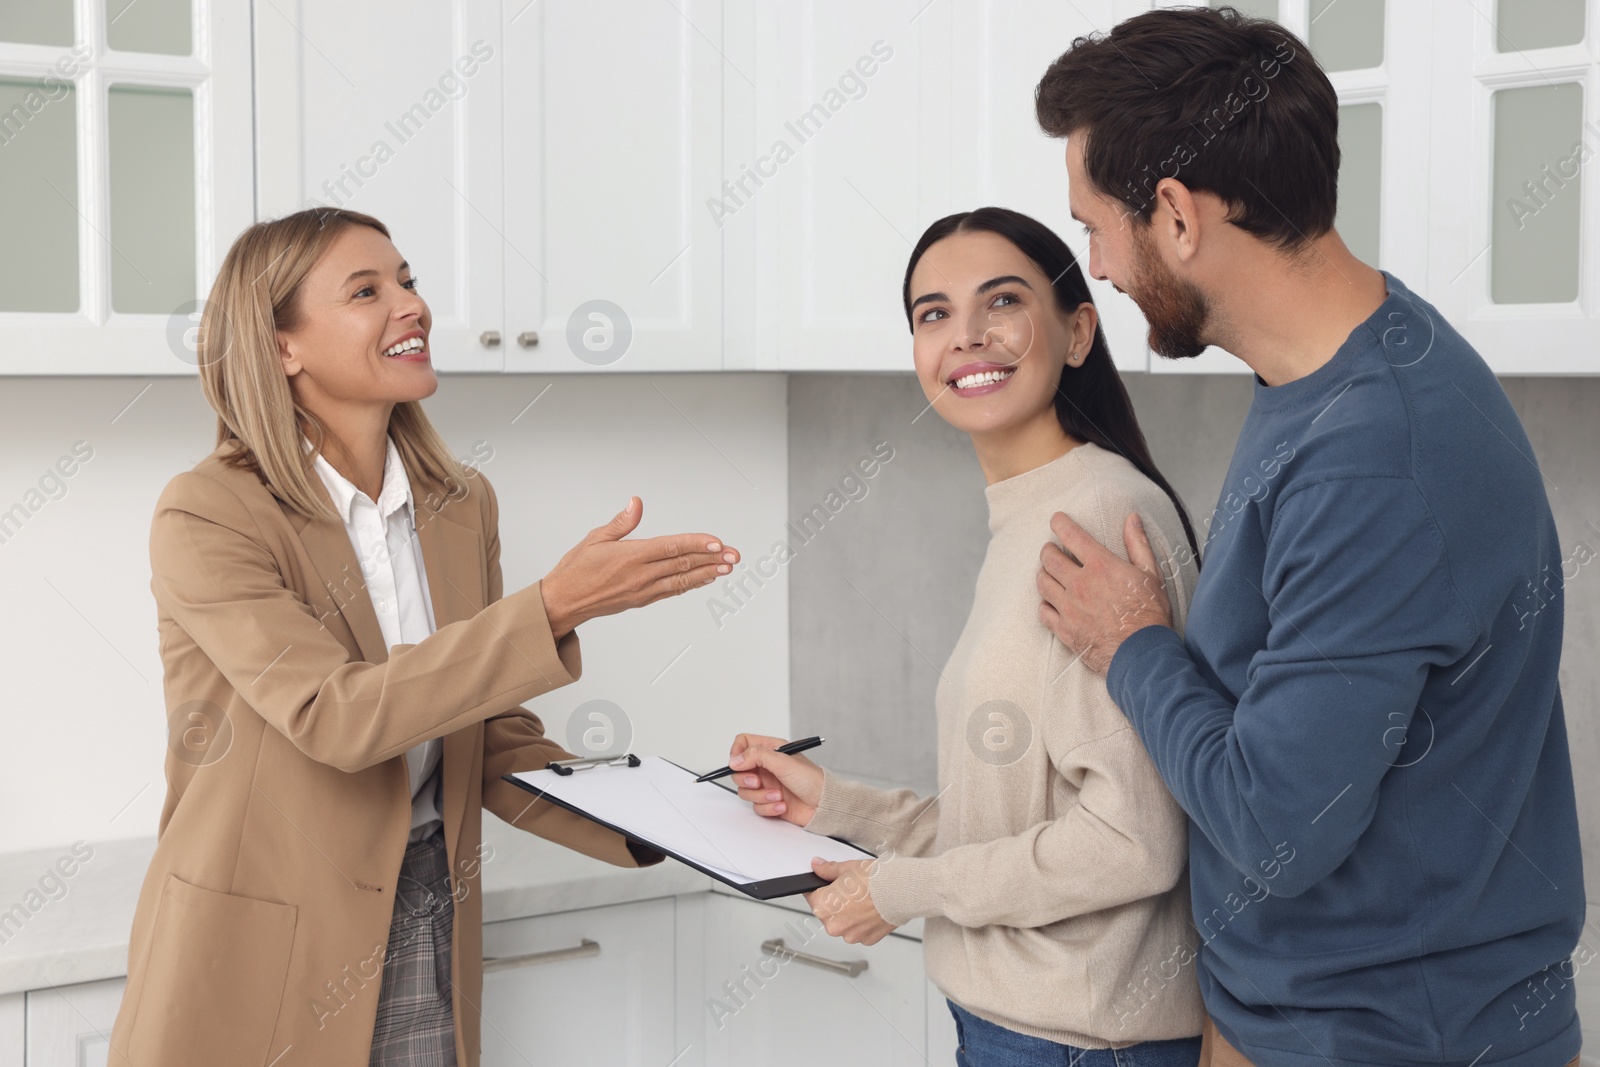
(1514, 208)
(70, 1026)
(613, 147)
(13, 1029)
(838, 178)
(942, 1038)
(764, 1008)
(591, 986)
(403, 125)
(129, 232)
(1007, 161)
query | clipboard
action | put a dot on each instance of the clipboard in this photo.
(657, 803)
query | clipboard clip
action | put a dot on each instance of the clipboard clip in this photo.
(565, 767)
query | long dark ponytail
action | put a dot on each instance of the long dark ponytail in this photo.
(1091, 402)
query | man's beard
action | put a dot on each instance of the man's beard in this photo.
(1176, 311)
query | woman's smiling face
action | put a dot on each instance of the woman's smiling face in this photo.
(988, 339)
(354, 308)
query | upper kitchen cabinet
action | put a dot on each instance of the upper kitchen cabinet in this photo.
(1377, 54)
(124, 176)
(839, 143)
(541, 164)
(1514, 211)
(612, 128)
(997, 154)
(396, 112)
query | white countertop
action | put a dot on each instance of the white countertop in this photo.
(82, 934)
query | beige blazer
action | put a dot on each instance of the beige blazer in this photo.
(261, 927)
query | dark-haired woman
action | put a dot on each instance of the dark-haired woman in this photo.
(1050, 868)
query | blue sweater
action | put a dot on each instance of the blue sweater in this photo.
(1364, 724)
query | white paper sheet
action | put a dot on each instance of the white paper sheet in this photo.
(660, 803)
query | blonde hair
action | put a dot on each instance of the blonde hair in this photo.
(255, 295)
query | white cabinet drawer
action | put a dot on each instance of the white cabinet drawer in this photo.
(13, 1007)
(591, 986)
(70, 1025)
(820, 995)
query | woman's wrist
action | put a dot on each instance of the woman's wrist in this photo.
(555, 611)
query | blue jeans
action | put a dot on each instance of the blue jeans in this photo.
(980, 1043)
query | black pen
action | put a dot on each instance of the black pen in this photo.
(790, 749)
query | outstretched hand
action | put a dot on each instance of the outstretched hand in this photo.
(604, 574)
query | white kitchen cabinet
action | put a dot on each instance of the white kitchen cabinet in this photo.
(542, 166)
(599, 185)
(942, 1040)
(862, 124)
(1004, 159)
(1377, 57)
(126, 175)
(590, 986)
(70, 1025)
(1513, 237)
(814, 1000)
(613, 143)
(839, 142)
(13, 1029)
(399, 117)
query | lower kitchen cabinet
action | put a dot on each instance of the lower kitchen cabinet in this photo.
(70, 1025)
(941, 1029)
(811, 999)
(590, 986)
(688, 981)
(13, 1009)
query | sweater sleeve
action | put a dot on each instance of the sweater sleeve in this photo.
(885, 822)
(1360, 607)
(1122, 839)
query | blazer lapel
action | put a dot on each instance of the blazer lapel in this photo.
(452, 555)
(344, 587)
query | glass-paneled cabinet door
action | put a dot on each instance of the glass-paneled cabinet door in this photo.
(124, 176)
(1376, 54)
(1514, 233)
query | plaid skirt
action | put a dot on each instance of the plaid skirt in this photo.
(415, 1025)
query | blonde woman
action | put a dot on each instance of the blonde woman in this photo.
(343, 679)
(1050, 868)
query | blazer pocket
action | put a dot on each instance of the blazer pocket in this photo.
(215, 977)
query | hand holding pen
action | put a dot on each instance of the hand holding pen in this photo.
(777, 781)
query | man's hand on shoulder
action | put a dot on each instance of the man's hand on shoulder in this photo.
(1093, 600)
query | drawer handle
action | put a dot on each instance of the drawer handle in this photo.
(848, 968)
(528, 338)
(582, 950)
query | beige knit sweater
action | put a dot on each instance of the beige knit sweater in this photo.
(1050, 868)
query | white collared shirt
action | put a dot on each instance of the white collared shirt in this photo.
(384, 538)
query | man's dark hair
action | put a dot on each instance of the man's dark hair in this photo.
(1232, 105)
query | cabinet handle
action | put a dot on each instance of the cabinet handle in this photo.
(528, 339)
(489, 338)
(848, 968)
(582, 950)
